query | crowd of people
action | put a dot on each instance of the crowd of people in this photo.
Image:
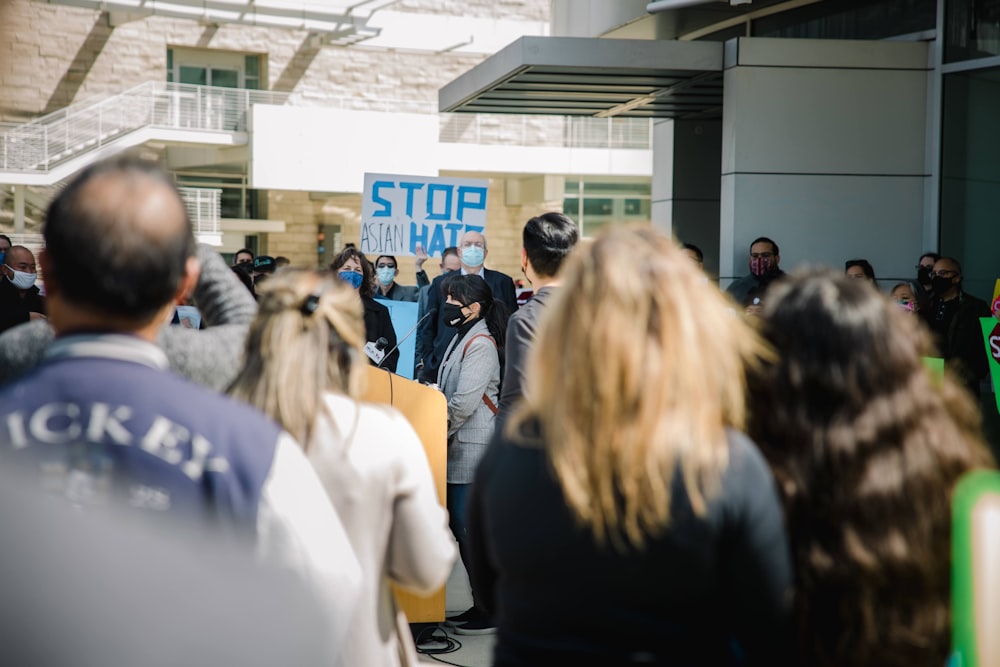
(637, 473)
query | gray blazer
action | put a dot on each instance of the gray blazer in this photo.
(464, 379)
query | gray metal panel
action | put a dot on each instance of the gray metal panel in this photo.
(575, 76)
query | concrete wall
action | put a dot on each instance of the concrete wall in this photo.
(823, 151)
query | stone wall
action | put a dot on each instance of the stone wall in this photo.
(54, 56)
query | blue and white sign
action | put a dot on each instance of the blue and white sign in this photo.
(400, 212)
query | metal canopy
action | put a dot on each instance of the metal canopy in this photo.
(578, 76)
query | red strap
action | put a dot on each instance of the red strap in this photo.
(486, 399)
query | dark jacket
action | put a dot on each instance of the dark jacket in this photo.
(963, 348)
(742, 286)
(399, 293)
(15, 309)
(378, 324)
(520, 337)
(703, 584)
(435, 335)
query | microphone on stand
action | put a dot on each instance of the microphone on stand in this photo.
(376, 350)
(409, 333)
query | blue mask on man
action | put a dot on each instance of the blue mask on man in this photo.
(352, 278)
(473, 255)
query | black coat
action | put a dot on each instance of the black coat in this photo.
(16, 310)
(379, 325)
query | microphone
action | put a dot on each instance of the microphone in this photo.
(376, 350)
(409, 333)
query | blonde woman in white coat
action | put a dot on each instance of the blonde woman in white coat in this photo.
(304, 367)
(470, 379)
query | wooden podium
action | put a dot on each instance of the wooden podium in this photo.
(427, 411)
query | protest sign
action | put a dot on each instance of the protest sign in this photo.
(398, 213)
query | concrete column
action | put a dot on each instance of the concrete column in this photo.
(685, 192)
(823, 151)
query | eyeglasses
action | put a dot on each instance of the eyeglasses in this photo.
(470, 244)
(761, 255)
(943, 274)
(921, 267)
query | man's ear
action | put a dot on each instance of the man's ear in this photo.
(192, 269)
(49, 275)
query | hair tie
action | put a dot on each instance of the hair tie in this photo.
(310, 305)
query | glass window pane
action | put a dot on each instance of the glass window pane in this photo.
(225, 78)
(595, 206)
(571, 207)
(170, 65)
(252, 65)
(972, 29)
(970, 176)
(195, 75)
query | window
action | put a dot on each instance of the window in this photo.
(223, 69)
(594, 205)
(972, 29)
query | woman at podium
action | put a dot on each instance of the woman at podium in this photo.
(621, 517)
(470, 379)
(304, 368)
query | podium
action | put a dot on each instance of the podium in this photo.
(427, 411)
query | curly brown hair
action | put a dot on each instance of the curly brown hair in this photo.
(367, 272)
(866, 445)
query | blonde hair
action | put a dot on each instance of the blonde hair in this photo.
(638, 370)
(306, 340)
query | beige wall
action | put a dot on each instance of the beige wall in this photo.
(61, 55)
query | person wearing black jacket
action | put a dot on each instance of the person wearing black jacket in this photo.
(20, 300)
(354, 268)
(434, 335)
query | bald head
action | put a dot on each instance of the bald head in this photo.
(118, 240)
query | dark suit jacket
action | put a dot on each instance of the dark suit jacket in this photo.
(15, 309)
(521, 328)
(435, 336)
(378, 324)
(399, 293)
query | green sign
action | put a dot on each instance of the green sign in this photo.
(991, 337)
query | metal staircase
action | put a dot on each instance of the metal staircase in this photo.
(37, 157)
(47, 149)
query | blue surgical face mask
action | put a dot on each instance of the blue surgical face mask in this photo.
(352, 278)
(386, 275)
(3, 253)
(473, 255)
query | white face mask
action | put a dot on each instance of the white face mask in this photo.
(22, 280)
(386, 275)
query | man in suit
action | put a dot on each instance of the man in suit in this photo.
(435, 336)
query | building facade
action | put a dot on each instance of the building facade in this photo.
(840, 128)
(269, 114)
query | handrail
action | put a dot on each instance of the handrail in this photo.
(204, 208)
(50, 140)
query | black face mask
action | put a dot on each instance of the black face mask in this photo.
(452, 314)
(941, 285)
(924, 275)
